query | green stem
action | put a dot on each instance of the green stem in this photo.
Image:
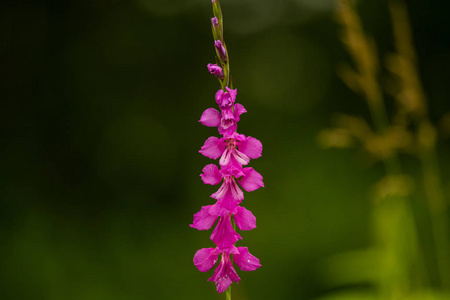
(228, 293)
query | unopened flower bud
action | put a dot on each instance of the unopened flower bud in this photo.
(221, 52)
(216, 71)
(214, 22)
(216, 29)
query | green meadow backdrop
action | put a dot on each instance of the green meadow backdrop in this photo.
(99, 139)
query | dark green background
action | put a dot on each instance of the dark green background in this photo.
(99, 140)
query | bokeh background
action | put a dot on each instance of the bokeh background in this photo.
(100, 102)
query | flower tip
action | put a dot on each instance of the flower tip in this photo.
(221, 52)
(215, 22)
(216, 71)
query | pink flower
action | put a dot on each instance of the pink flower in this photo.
(226, 99)
(225, 121)
(229, 194)
(237, 147)
(240, 149)
(225, 273)
(207, 216)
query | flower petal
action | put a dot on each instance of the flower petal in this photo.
(236, 192)
(241, 157)
(229, 189)
(252, 180)
(224, 274)
(222, 191)
(239, 109)
(213, 147)
(211, 175)
(210, 117)
(205, 259)
(225, 158)
(245, 261)
(227, 132)
(204, 220)
(238, 137)
(229, 202)
(244, 219)
(232, 168)
(224, 236)
(250, 147)
(215, 70)
(219, 95)
(233, 94)
(218, 209)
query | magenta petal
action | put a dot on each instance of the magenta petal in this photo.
(224, 274)
(232, 168)
(227, 132)
(205, 259)
(238, 110)
(222, 191)
(210, 117)
(229, 189)
(213, 147)
(250, 147)
(211, 175)
(244, 219)
(252, 180)
(229, 203)
(224, 235)
(219, 95)
(245, 261)
(204, 220)
(240, 157)
(238, 137)
(226, 156)
(235, 191)
(233, 94)
(218, 209)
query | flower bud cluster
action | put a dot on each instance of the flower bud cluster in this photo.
(234, 151)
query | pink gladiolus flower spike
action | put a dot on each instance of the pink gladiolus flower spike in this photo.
(233, 151)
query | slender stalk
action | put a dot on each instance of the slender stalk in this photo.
(228, 293)
(406, 62)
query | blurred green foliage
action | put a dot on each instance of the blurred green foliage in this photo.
(100, 139)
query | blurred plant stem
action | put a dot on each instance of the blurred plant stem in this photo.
(401, 269)
(412, 102)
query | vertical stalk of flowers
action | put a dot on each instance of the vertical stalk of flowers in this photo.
(234, 151)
